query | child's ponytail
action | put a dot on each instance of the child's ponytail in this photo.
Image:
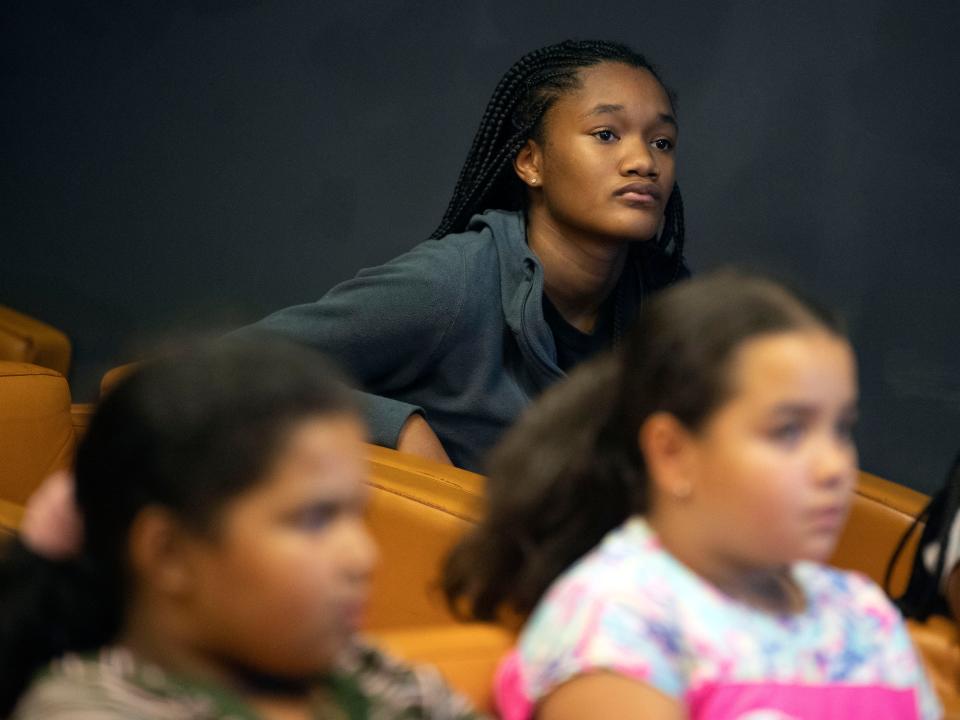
(563, 478)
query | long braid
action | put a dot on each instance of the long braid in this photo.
(674, 232)
(515, 114)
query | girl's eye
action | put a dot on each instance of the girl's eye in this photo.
(315, 517)
(788, 433)
(605, 135)
(663, 144)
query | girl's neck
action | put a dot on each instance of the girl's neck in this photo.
(768, 589)
(272, 698)
(580, 270)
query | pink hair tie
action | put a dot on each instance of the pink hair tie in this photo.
(52, 526)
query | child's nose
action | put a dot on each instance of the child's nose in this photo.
(362, 554)
(836, 462)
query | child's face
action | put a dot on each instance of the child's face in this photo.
(282, 586)
(776, 464)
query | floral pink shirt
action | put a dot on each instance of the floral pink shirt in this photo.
(629, 607)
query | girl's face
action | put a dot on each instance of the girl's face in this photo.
(282, 585)
(606, 166)
(774, 467)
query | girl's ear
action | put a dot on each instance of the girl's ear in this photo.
(668, 449)
(159, 554)
(528, 164)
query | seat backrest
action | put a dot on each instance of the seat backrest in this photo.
(36, 433)
(881, 513)
(26, 339)
(418, 509)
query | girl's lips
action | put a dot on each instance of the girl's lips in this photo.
(638, 198)
(829, 517)
(353, 614)
(639, 193)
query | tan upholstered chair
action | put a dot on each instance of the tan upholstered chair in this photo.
(882, 512)
(37, 433)
(26, 339)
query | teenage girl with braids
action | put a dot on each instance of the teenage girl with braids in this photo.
(565, 216)
(211, 559)
(664, 515)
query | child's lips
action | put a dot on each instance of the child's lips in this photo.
(353, 613)
(829, 517)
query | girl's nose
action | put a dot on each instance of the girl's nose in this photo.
(361, 554)
(638, 159)
(836, 462)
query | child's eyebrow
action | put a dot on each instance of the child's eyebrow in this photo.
(798, 408)
(793, 408)
(604, 109)
(613, 108)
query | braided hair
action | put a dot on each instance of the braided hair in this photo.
(515, 114)
(922, 596)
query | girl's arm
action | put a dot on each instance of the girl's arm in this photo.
(607, 695)
(418, 438)
(385, 328)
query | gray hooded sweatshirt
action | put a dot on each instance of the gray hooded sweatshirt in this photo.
(453, 329)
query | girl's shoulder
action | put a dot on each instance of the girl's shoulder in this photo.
(836, 591)
(112, 684)
(108, 685)
(469, 262)
(629, 564)
(615, 609)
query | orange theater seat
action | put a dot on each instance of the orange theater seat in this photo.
(418, 509)
(36, 433)
(881, 513)
(25, 339)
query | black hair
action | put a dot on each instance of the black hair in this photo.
(571, 469)
(515, 113)
(188, 432)
(922, 596)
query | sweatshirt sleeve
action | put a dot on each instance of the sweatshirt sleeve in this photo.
(384, 327)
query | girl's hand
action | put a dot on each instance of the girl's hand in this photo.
(52, 526)
(418, 438)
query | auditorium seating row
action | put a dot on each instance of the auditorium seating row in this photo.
(417, 510)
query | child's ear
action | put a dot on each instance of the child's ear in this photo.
(528, 164)
(668, 450)
(159, 555)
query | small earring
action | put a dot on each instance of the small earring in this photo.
(534, 181)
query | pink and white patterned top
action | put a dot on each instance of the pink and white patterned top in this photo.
(630, 607)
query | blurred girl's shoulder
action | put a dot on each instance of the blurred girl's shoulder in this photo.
(109, 685)
(831, 585)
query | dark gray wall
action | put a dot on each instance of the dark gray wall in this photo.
(177, 165)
